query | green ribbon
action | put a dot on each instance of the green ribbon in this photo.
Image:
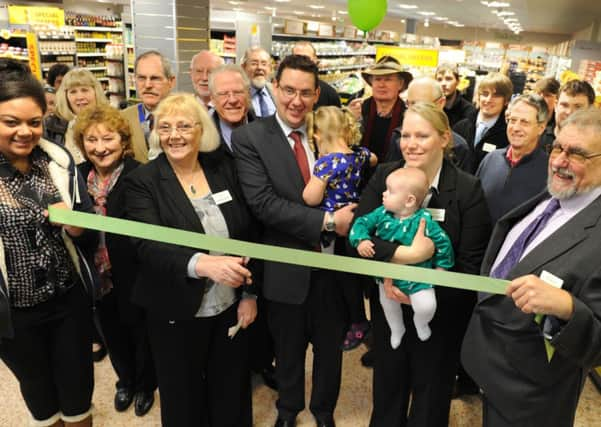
(276, 253)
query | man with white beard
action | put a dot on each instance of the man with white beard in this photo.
(257, 64)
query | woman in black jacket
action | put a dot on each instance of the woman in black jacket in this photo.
(193, 297)
(426, 370)
(104, 138)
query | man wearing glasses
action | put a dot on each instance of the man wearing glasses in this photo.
(531, 349)
(274, 163)
(518, 172)
(154, 80)
(229, 88)
(257, 65)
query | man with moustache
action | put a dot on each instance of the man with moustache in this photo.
(257, 65)
(530, 350)
(456, 106)
(327, 94)
(274, 163)
(574, 95)
(518, 172)
(485, 130)
(201, 66)
(154, 80)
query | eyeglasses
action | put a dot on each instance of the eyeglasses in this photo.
(183, 129)
(574, 155)
(226, 94)
(514, 121)
(290, 92)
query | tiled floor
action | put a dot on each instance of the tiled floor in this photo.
(353, 410)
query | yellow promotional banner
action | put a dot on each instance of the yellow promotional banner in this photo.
(34, 55)
(409, 56)
(23, 15)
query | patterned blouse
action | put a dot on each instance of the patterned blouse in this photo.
(37, 262)
(342, 174)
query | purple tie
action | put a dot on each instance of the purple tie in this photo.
(519, 246)
(263, 104)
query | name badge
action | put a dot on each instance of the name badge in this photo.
(222, 197)
(437, 214)
(551, 279)
(488, 147)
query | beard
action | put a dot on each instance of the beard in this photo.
(569, 192)
(259, 82)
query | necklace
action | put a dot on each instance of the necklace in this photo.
(191, 183)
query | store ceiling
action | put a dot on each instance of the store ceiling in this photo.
(546, 16)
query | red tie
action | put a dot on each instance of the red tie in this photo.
(301, 155)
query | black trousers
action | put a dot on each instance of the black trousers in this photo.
(203, 375)
(423, 370)
(352, 286)
(51, 354)
(320, 321)
(127, 343)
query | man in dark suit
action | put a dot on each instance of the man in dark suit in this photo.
(327, 94)
(530, 351)
(274, 161)
(485, 129)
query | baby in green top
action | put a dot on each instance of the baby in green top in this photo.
(397, 221)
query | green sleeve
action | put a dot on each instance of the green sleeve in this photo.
(443, 254)
(365, 226)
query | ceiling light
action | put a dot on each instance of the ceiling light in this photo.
(237, 9)
(315, 15)
(460, 25)
(316, 6)
(441, 18)
(427, 23)
(427, 13)
(343, 12)
(403, 21)
(298, 12)
(505, 13)
(282, 1)
(235, 3)
(495, 3)
(407, 6)
(269, 8)
(507, 20)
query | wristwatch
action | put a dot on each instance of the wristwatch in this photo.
(330, 222)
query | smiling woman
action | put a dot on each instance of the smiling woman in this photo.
(191, 298)
(79, 90)
(43, 305)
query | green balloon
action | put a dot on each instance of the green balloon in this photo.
(367, 14)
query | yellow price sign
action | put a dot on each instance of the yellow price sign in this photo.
(409, 56)
(23, 15)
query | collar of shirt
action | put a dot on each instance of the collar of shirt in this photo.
(303, 130)
(487, 123)
(433, 187)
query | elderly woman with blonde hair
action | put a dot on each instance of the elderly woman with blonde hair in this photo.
(79, 90)
(192, 297)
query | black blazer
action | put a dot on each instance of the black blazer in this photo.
(467, 222)
(273, 187)
(121, 251)
(155, 196)
(503, 348)
(496, 135)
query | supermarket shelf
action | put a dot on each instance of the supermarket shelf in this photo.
(129, 46)
(13, 35)
(105, 79)
(95, 68)
(130, 66)
(11, 56)
(56, 53)
(334, 55)
(114, 77)
(56, 39)
(94, 40)
(345, 67)
(100, 29)
(132, 89)
(226, 55)
(83, 54)
(311, 37)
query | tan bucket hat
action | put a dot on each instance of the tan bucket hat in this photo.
(387, 65)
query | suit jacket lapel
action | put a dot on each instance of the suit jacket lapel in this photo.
(446, 187)
(561, 241)
(173, 191)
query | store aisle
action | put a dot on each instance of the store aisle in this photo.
(353, 407)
